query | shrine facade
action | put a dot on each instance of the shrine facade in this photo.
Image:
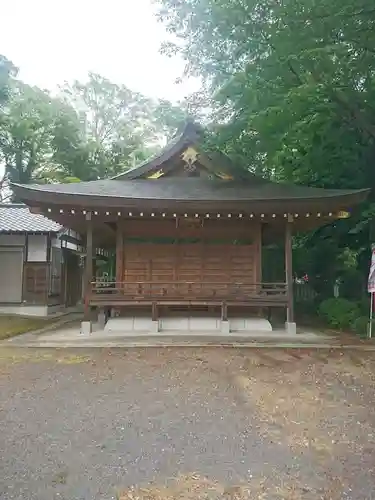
(187, 229)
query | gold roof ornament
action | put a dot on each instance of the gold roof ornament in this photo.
(156, 174)
(190, 156)
(343, 214)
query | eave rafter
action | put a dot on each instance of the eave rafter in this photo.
(104, 221)
(115, 214)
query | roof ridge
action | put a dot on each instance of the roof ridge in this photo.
(13, 205)
(185, 135)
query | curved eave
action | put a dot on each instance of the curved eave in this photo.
(338, 201)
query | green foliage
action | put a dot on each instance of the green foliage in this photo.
(293, 92)
(305, 308)
(92, 130)
(118, 127)
(26, 131)
(338, 312)
(360, 325)
(352, 285)
(7, 71)
(364, 305)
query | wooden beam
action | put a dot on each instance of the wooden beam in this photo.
(214, 229)
(35, 210)
(289, 269)
(88, 266)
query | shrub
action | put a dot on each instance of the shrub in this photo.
(307, 308)
(339, 312)
(360, 325)
(364, 305)
(352, 285)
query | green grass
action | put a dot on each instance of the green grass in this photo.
(11, 325)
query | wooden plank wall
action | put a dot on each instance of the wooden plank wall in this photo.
(164, 263)
(206, 261)
(35, 282)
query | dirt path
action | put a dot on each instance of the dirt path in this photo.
(227, 423)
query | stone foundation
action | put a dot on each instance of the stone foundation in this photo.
(188, 325)
(291, 328)
(31, 309)
(86, 328)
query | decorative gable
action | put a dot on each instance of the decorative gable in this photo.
(189, 157)
(190, 163)
(183, 157)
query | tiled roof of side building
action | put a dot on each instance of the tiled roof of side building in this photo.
(17, 218)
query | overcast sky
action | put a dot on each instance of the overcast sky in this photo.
(52, 41)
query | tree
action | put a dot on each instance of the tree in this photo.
(92, 130)
(40, 139)
(293, 91)
(280, 62)
(165, 118)
(119, 127)
(26, 130)
(7, 72)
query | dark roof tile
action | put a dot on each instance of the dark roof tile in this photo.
(16, 218)
(189, 189)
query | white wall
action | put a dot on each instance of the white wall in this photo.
(37, 248)
(67, 244)
(70, 246)
(56, 242)
(37, 245)
(12, 239)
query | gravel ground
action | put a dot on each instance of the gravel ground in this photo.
(282, 424)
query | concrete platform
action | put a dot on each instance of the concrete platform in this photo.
(187, 325)
(70, 336)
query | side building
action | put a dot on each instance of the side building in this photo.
(40, 263)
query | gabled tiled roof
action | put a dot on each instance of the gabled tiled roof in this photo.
(186, 189)
(17, 218)
(241, 187)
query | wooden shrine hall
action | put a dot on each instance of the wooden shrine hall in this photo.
(187, 228)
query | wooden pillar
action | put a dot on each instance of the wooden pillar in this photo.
(258, 267)
(224, 311)
(66, 278)
(155, 315)
(48, 270)
(258, 263)
(289, 269)
(119, 253)
(88, 266)
(224, 318)
(94, 264)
